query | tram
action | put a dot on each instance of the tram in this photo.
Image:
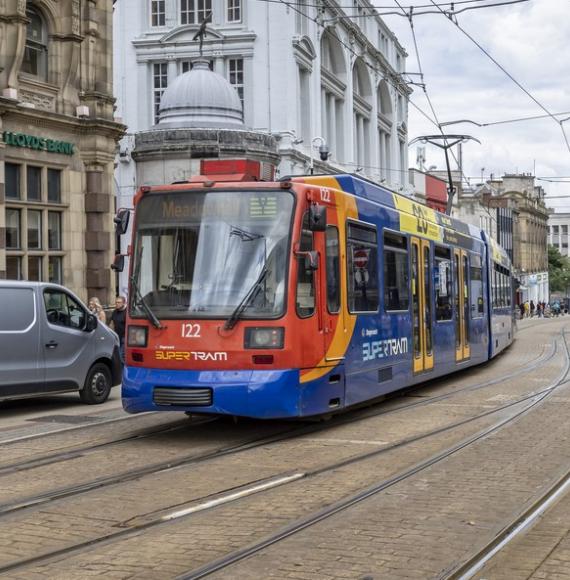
(302, 297)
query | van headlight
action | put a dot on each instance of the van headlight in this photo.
(264, 337)
(137, 336)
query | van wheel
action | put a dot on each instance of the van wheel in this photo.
(97, 385)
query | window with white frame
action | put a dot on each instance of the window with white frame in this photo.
(361, 113)
(34, 241)
(187, 65)
(333, 94)
(235, 76)
(158, 12)
(234, 10)
(159, 84)
(385, 121)
(194, 11)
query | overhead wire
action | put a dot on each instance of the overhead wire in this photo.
(508, 74)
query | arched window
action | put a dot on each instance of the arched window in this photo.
(333, 87)
(362, 108)
(36, 50)
(385, 122)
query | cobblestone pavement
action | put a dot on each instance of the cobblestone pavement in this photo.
(416, 528)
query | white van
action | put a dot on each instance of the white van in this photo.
(50, 343)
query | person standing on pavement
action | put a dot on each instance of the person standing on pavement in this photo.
(96, 309)
(118, 322)
(531, 308)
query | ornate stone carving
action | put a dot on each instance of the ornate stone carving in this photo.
(75, 23)
(22, 7)
(39, 100)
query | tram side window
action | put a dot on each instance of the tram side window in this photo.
(362, 256)
(305, 296)
(443, 284)
(333, 269)
(477, 309)
(396, 272)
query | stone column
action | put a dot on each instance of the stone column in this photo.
(98, 237)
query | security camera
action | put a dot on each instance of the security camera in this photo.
(324, 152)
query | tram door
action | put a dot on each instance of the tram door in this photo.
(422, 326)
(461, 287)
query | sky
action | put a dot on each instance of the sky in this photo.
(530, 41)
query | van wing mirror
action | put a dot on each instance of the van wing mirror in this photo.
(118, 264)
(91, 323)
(317, 217)
(122, 220)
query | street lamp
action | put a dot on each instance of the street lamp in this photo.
(323, 151)
(448, 142)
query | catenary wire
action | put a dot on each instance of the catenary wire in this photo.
(509, 75)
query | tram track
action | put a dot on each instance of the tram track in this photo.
(362, 413)
(287, 477)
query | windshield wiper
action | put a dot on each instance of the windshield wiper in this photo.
(147, 310)
(247, 299)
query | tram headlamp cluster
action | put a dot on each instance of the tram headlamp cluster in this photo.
(264, 337)
(137, 336)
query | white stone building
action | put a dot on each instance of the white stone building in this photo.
(302, 72)
(558, 231)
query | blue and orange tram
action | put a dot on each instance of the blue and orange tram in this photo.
(302, 297)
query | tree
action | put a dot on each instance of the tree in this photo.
(558, 270)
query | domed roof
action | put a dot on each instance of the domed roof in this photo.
(200, 98)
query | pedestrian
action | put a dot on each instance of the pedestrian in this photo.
(521, 307)
(532, 307)
(526, 309)
(96, 309)
(119, 321)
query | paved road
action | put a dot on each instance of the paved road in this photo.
(410, 488)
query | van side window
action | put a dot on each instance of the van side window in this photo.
(63, 310)
(362, 256)
(21, 312)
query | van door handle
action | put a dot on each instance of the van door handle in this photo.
(51, 344)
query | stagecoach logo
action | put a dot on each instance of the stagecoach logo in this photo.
(184, 355)
(384, 348)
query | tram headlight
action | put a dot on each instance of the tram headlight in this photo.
(137, 336)
(264, 337)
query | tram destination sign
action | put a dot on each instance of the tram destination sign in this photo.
(37, 143)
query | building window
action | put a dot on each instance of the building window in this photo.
(36, 50)
(55, 270)
(194, 11)
(34, 183)
(188, 65)
(35, 268)
(14, 268)
(12, 178)
(234, 10)
(235, 66)
(54, 185)
(157, 12)
(34, 230)
(160, 82)
(54, 230)
(34, 236)
(13, 226)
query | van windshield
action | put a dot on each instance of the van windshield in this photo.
(198, 254)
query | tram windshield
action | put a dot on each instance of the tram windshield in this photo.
(200, 255)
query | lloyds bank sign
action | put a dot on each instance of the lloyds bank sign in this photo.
(37, 143)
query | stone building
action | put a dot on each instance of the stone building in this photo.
(58, 143)
(558, 231)
(309, 76)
